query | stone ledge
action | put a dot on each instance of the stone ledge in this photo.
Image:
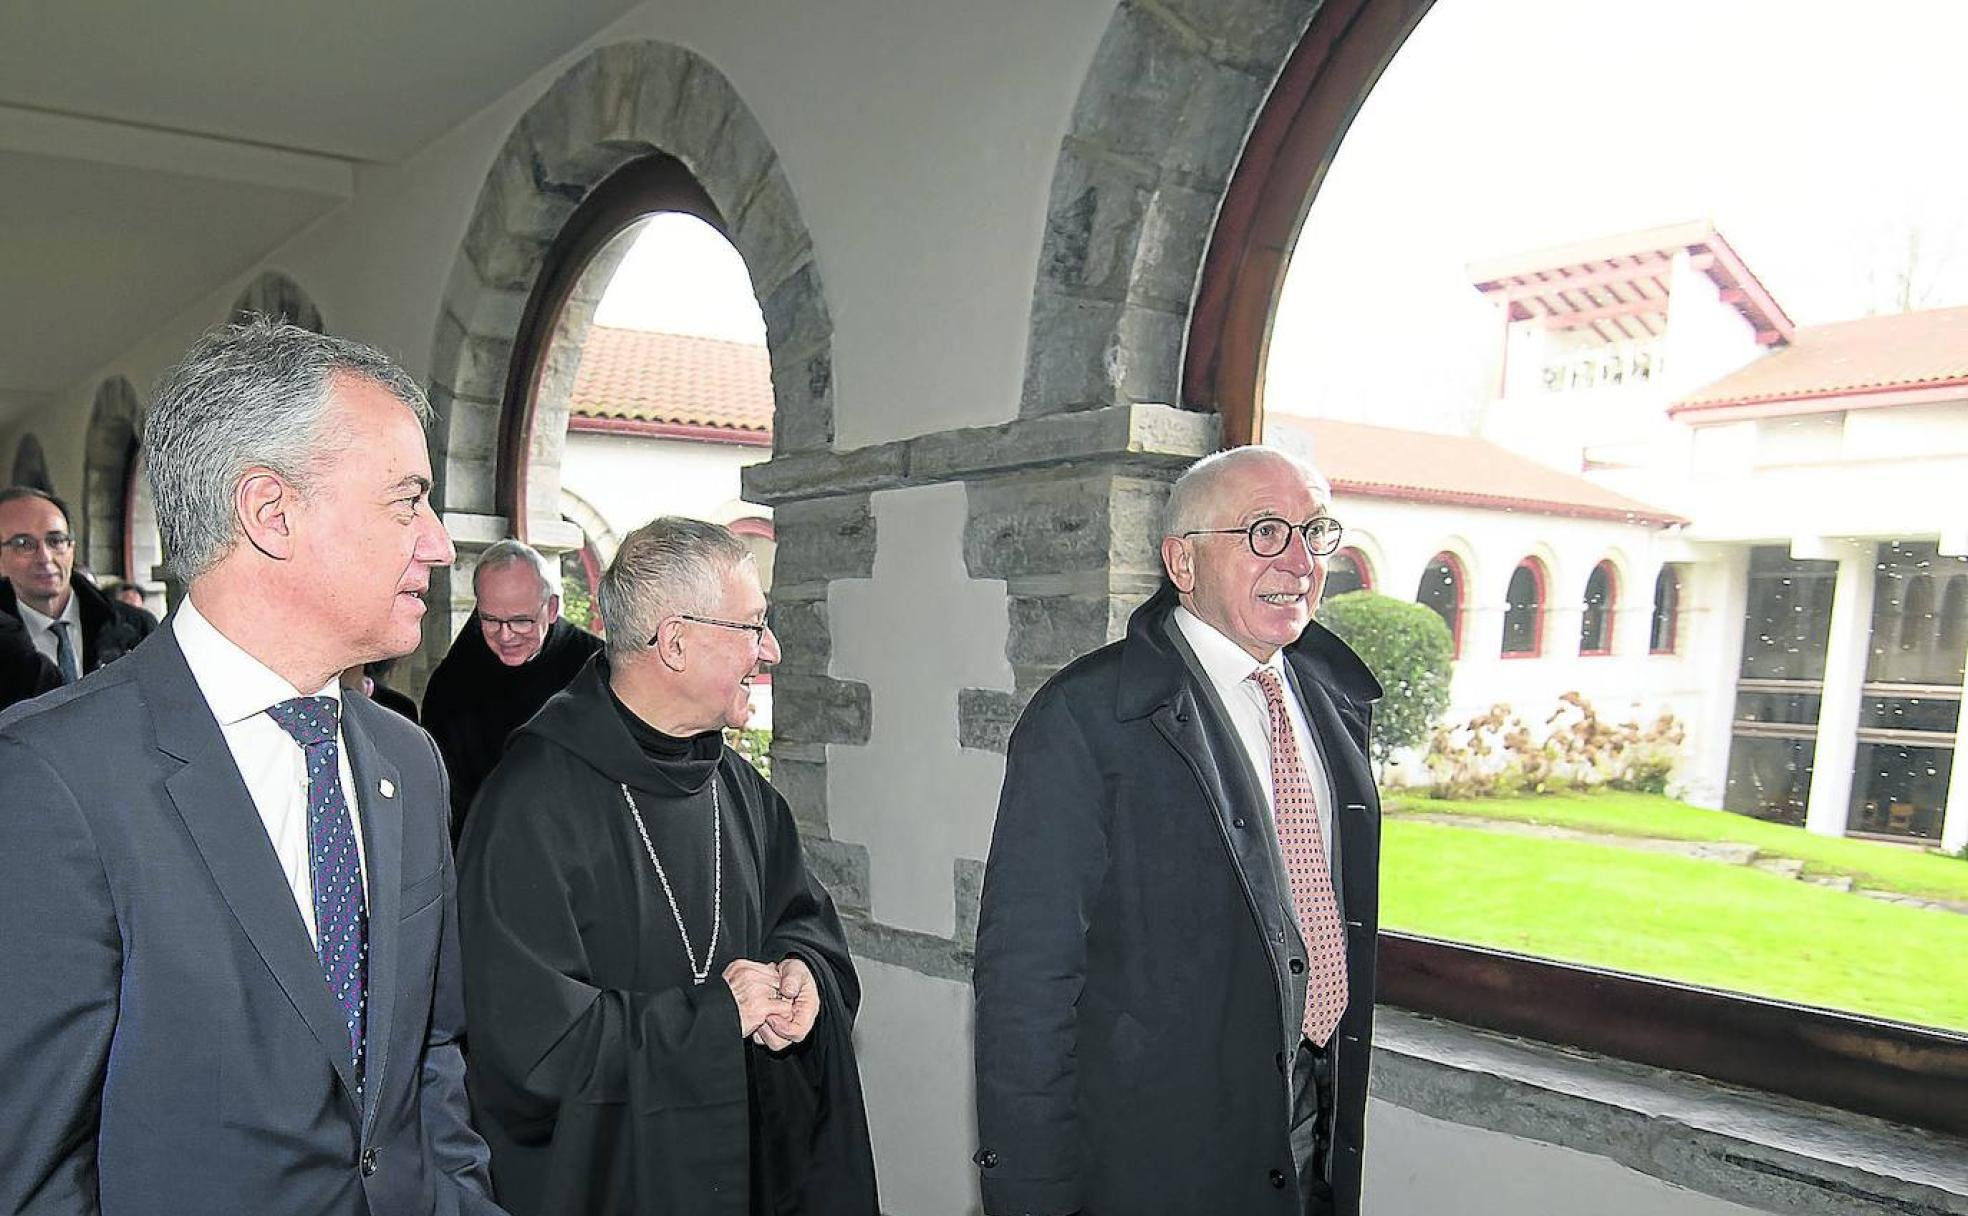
(923, 953)
(1756, 1149)
(1145, 435)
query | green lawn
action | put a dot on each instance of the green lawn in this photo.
(1678, 918)
(1869, 863)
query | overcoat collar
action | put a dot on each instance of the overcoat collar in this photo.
(1153, 673)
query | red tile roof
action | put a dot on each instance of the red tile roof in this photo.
(1459, 470)
(1906, 350)
(642, 376)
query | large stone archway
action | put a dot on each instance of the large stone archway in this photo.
(625, 103)
(115, 424)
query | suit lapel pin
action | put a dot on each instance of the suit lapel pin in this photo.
(388, 787)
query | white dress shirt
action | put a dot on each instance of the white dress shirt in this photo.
(1229, 669)
(39, 629)
(239, 688)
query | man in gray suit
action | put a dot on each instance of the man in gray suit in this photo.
(230, 955)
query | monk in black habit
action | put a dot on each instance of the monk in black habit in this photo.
(659, 993)
(512, 655)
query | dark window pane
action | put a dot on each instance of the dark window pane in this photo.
(1343, 575)
(1596, 622)
(1900, 790)
(1788, 624)
(1769, 778)
(1778, 707)
(1441, 591)
(1909, 713)
(1919, 616)
(1661, 636)
(1522, 615)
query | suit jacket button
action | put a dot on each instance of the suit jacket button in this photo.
(368, 1162)
(988, 1158)
(1278, 1179)
(1238, 822)
(1298, 966)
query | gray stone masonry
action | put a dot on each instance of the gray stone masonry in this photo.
(1155, 133)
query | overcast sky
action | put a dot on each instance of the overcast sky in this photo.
(1813, 133)
(682, 277)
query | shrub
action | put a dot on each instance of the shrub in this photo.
(755, 745)
(1409, 650)
(1496, 754)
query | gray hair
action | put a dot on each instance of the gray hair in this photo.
(246, 395)
(1194, 493)
(509, 552)
(667, 566)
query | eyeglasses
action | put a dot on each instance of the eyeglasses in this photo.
(514, 624)
(756, 628)
(54, 542)
(1271, 536)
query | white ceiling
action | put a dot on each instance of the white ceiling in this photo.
(151, 151)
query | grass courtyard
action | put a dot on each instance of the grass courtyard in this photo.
(1698, 921)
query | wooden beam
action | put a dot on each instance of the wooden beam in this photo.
(1587, 316)
(1650, 269)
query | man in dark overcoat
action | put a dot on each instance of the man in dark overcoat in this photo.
(1175, 955)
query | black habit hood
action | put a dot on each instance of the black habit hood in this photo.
(603, 1077)
(474, 702)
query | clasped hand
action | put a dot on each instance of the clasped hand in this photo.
(777, 1003)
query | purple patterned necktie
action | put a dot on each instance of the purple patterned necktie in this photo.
(341, 920)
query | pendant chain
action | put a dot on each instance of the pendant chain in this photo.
(697, 974)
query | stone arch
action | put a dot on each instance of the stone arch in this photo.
(622, 103)
(273, 294)
(31, 465)
(1156, 133)
(109, 462)
(594, 527)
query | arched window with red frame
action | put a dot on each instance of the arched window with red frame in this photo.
(1601, 601)
(1346, 571)
(1441, 592)
(1523, 611)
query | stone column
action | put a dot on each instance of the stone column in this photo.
(1845, 668)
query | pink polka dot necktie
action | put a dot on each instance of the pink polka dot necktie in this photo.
(1303, 845)
(341, 919)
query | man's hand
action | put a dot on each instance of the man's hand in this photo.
(756, 987)
(802, 992)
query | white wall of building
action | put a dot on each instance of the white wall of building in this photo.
(630, 480)
(1401, 539)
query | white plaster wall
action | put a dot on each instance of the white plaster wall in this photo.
(1416, 1164)
(913, 1040)
(1706, 339)
(631, 481)
(919, 136)
(916, 633)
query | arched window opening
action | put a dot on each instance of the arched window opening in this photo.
(1917, 613)
(1663, 634)
(1954, 621)
(1441, 592)
(1601, 602)
(1523, 612)
(1346, 571)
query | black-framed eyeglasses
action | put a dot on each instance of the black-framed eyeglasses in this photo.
(515, 624)
(1271, 536)
(53, 542)
(756, 628)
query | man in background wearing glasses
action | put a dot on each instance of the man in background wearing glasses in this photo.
(1175, 952)
(659, 991)
(74, 626)
(513, 654)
